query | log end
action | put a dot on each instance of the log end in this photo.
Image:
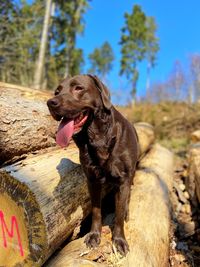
(22, 232)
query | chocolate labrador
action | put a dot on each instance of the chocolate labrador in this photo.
(108, 147)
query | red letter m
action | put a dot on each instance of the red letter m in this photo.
(4, 228)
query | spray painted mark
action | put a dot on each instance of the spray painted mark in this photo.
(14, 229)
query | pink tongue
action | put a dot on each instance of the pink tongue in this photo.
(65, 132)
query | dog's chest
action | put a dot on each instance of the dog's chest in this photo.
(98, 155)
(102, 164)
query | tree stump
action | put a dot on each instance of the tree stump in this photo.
(43, 200)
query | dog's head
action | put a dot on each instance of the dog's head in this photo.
(75, 98)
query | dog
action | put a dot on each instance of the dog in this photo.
(108, 146)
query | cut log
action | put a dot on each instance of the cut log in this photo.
(149, 224)
(146, 136)
(43, 199)
(193, 179)
(25, 122)
(147, 230)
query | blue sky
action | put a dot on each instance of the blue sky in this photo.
(178, 32)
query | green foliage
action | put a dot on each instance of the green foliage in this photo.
(101, 60)
(151, 43)
(21, 25)
(138, 42)
(19, 34)
(67, 23)
(7, 13)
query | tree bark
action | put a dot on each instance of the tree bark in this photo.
(147, 230)
(71, 40)
(25, 122)
(39, 69)
(43, 200)
(148, 81)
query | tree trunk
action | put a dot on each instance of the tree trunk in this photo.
(25, 122)
(43, 200)
(39, 69)
(190, 94)
(147, 230)
(134, 86)
(72, 38)
(148, 81)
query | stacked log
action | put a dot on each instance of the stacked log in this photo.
(147, 230)
(44, 198)
(25, 122)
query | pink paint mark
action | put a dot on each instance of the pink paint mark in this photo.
(5, 230)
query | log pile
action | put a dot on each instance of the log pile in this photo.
(44, 197)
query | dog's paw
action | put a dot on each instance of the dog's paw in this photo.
(121, 245)
(93, 239)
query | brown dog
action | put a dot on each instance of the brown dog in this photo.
(108, 147)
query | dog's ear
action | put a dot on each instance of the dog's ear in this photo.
(104, 92)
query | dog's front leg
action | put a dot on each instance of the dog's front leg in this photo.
(121, 208)
(94, 236)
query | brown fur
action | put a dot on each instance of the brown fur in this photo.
(108, 148)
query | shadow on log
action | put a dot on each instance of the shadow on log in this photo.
(147, 230)
(43, 200)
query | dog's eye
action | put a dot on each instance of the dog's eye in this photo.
(79, 88)
(58, 89)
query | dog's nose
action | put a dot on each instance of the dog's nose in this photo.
(53, 102)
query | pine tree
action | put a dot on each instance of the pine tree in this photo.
(137, 43)
(152, 48)
(21, 26)
(8, 44)
(19, 31)
(67, 23)
(101, 60)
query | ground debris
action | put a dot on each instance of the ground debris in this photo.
(185, 234)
